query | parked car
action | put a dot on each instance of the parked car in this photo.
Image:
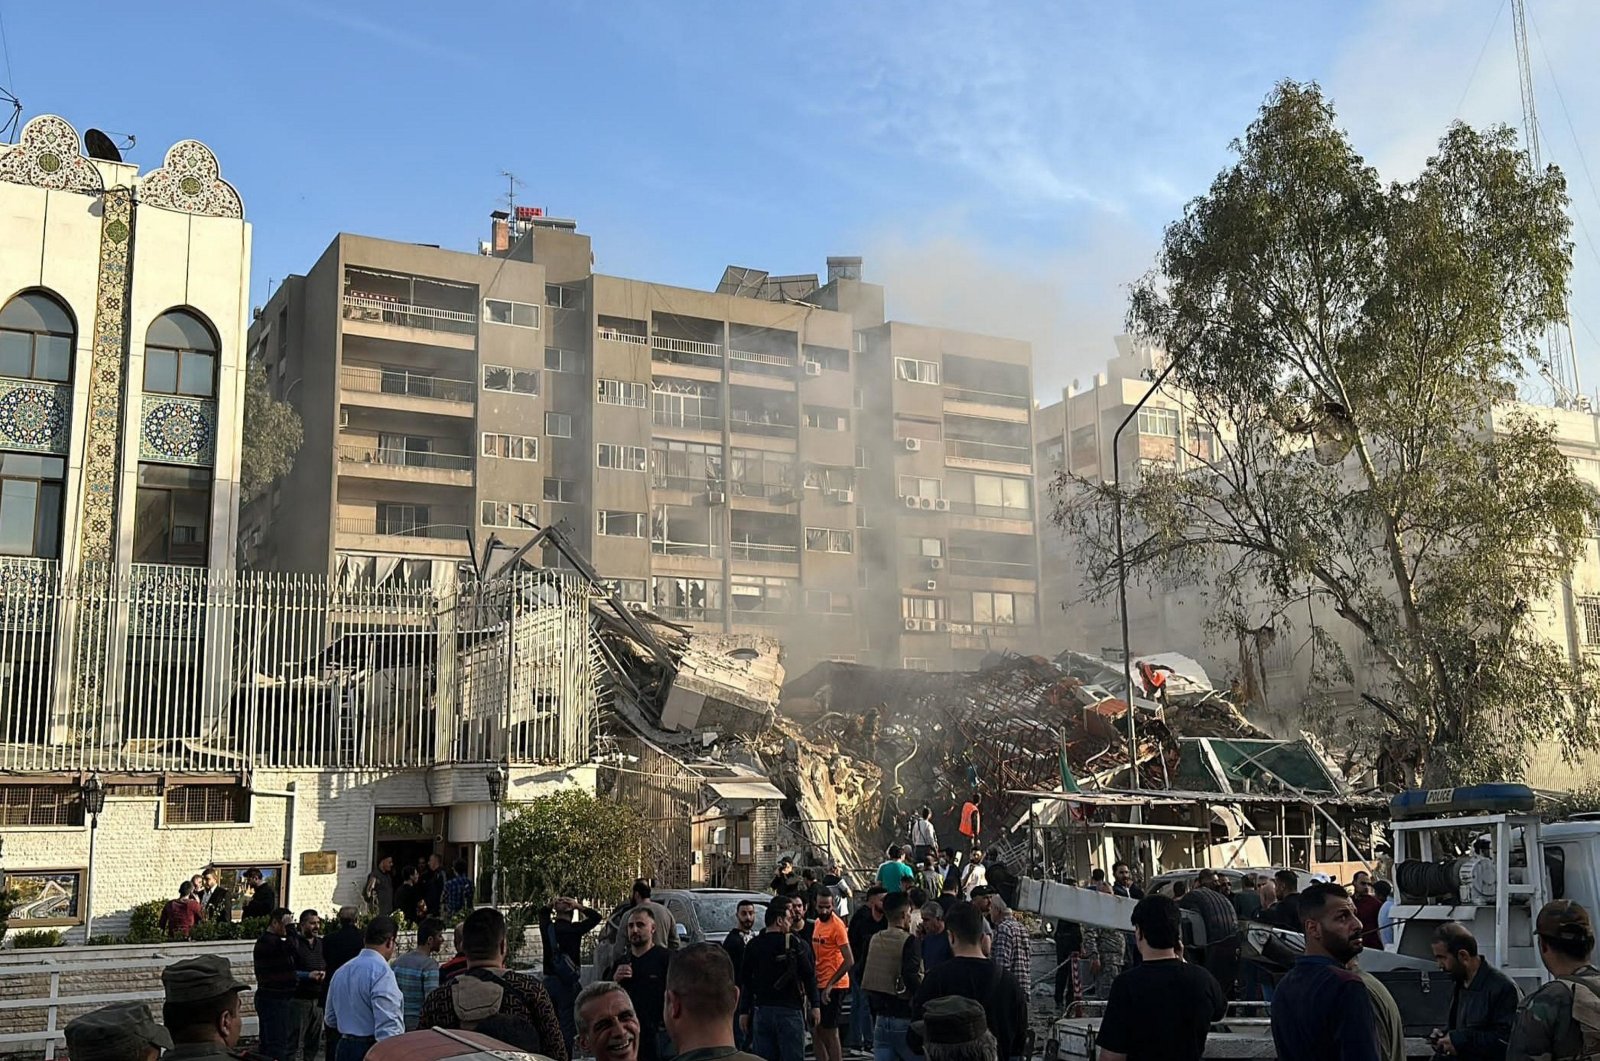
(701, 914)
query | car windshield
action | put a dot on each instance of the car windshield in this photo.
(718, 914)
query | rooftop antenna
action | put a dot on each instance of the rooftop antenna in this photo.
(512, 183)
(100, 145)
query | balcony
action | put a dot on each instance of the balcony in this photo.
(960, 449)
(612, 335)
(434, 393)
(434, 539)
(375, 462)
(686, 352)
(996, 404)
(968, 508)
(370, 308)
(688, 421)
(770, 427)
(765, 552)
(664, 547)
(975, 568)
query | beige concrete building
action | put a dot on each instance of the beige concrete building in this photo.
(769, 456)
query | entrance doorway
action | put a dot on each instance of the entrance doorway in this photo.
(409, 836)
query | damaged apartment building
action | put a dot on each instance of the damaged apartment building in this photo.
(772, 457)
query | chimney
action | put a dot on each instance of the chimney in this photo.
(500, 232)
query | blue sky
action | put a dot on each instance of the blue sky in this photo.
(1003, 167)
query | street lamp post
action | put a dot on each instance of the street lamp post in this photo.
(496, 779)
(1122, 563)
(94, 801)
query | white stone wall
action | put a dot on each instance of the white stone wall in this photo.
(138, 857)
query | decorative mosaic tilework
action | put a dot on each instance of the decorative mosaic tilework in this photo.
(191, 180)
(102, 467)
(34, 416)
(46, 155)
(178, 430)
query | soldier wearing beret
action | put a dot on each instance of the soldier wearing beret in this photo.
(1545, 1029)
(123, 1031)
(202, 1011)
(955, 1027)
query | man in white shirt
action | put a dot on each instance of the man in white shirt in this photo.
(924, 841)
(1385, 891)
(364, 1004)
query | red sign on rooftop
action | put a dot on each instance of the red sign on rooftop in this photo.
(528, 213)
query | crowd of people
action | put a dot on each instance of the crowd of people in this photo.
(204, 897)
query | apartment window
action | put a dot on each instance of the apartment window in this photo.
(922, 607)
(618, 457)
(687, 598)
(610, 524)
(1162, 423)
(1084, 446)
(60, 805)
(760, 473)
(46, 896)
(686, 403)
(510, 514)
(829, 540)
(504, 311)
(559, 360)
(832, 359)
(30, 504)
(180, 356)
(206, 805)
(402, 519)
(925, 430)
(410, 450)
(620, 392)
(558, 297)
(762, 593)
(829, 478)
(172, 515)
(861, 516)
(678, 465)
(858, 398)
(631, 590)
(558, 425)
(916, 663)
(511, 447)
(916, 371)
(36, 339)
(562, 491)
(1591, 620)
(827, 418)
(920, 487)
(829, 602)
(923, 547)
(861, 457)
(1002, 609)
(510, 380)
(994, 495)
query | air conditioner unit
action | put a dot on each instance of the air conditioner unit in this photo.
(941, 627)
(344, 417)
(931, 585)
(913, 625)
(941, 504)
(961, 628)
(813, 368)
(935, 563)
(912, 444)
(909, 500)
(716, 497)
(925, 502)
(845, 497)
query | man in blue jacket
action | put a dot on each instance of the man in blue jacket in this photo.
(1321, 1010)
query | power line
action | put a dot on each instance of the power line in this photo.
(5, 49)
(1481, 52)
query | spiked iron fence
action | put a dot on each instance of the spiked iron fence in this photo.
(168, 668)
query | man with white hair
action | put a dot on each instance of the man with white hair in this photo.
(1010, 951)
(607, 1026)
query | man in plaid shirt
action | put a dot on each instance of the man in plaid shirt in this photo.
(457, 891)
(1011, 948)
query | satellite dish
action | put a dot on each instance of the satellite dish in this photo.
(99, 146)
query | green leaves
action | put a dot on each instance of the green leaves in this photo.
(272, 435)
(1354, 348)
(569, 843)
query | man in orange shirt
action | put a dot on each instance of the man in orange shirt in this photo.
(830, 941)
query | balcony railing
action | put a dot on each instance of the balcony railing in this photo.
(686, 351)
(987, 451)
(665, 548)
(611, 335)
(688, 483)
(978, 397)
(991, 568)
(376, 308)
(404, 458)
(765, 552)
(357, 525)
(411, 384)
(745, 425)
(970, 508)
(755, 361)
(692, 421)
(771, 491)
(688, 614)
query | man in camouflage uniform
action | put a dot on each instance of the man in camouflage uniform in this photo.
(1107, 951)
(1545, 1029)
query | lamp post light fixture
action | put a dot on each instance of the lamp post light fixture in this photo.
(496, 779)
(94, 801)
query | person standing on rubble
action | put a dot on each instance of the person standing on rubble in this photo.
(867, 922)
(975, 876)
(972, 819)
(924, 840)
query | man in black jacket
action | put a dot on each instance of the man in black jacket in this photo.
(865, 923)
(1485, 1002)
(562, 937)
(893, 975)
(305, 1009)
(971, 975)
(778, 997)
(263, 901)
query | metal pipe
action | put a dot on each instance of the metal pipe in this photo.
(1122, 563)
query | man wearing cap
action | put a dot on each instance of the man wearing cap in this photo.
(970, 974)
(364, 1000)
(953, 1028)
(123, 1031)
(201, 1011)
(1545, 1027)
